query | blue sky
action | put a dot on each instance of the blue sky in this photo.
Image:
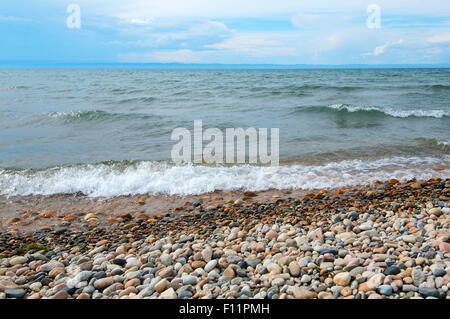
(226, 31)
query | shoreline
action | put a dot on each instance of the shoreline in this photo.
(44, 212)
(387, 240)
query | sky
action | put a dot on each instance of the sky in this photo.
(226, 31)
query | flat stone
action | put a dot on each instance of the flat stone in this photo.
(429, 292)
(302, 293)
(62, 294)
(392, 270)
(15, 293)
(409, 239)
(18, 260)
(7, 284)
(189, 280)
(103, 283)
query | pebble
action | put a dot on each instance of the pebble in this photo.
(103, 283)
(342, 279)
(15, 293)
(169, 294)
(349, 245)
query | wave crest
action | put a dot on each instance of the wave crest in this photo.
(125, 178)
(95, 115)
(350, 108)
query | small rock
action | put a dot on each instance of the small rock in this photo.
(342, 279)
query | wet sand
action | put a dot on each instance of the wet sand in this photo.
(31, 213)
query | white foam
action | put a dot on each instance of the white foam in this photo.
(391, 112)
(101, 180)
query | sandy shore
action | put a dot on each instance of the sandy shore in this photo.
(386, 240)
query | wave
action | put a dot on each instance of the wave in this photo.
(438, 87)
(303, 89)
(350, 108)
(148, 99)
(131, 178)
(95, 115)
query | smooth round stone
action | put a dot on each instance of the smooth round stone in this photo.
(305, 279)
(207, 254)
(336, 290)
(392, 270)
(36, 286)
(189, 280)
(21, 280)
(133, 262)
(119, 261)
(117, 272)
(241, 272)
(62, 294)
(342, 279)
(294, 268)
(161, 285)
(210, 265)
(274, 268)
(242, 264)
(166, 260)
(429, 292)
(409, 239)
(103, 283)
(385, 290)
(353, 215)
(18, 260)
(184, 294)
(440, 272)
(15, 293)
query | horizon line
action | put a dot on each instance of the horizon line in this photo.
(182, 65)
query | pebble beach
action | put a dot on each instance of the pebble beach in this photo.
(385, 240)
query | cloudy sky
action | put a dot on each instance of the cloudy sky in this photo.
(227, 31)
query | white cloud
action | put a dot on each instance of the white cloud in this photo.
(257, 8)
(157, 33)
(13, 19)
(440, 38)
(323, 31)
(382, 48)
(257, 45)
